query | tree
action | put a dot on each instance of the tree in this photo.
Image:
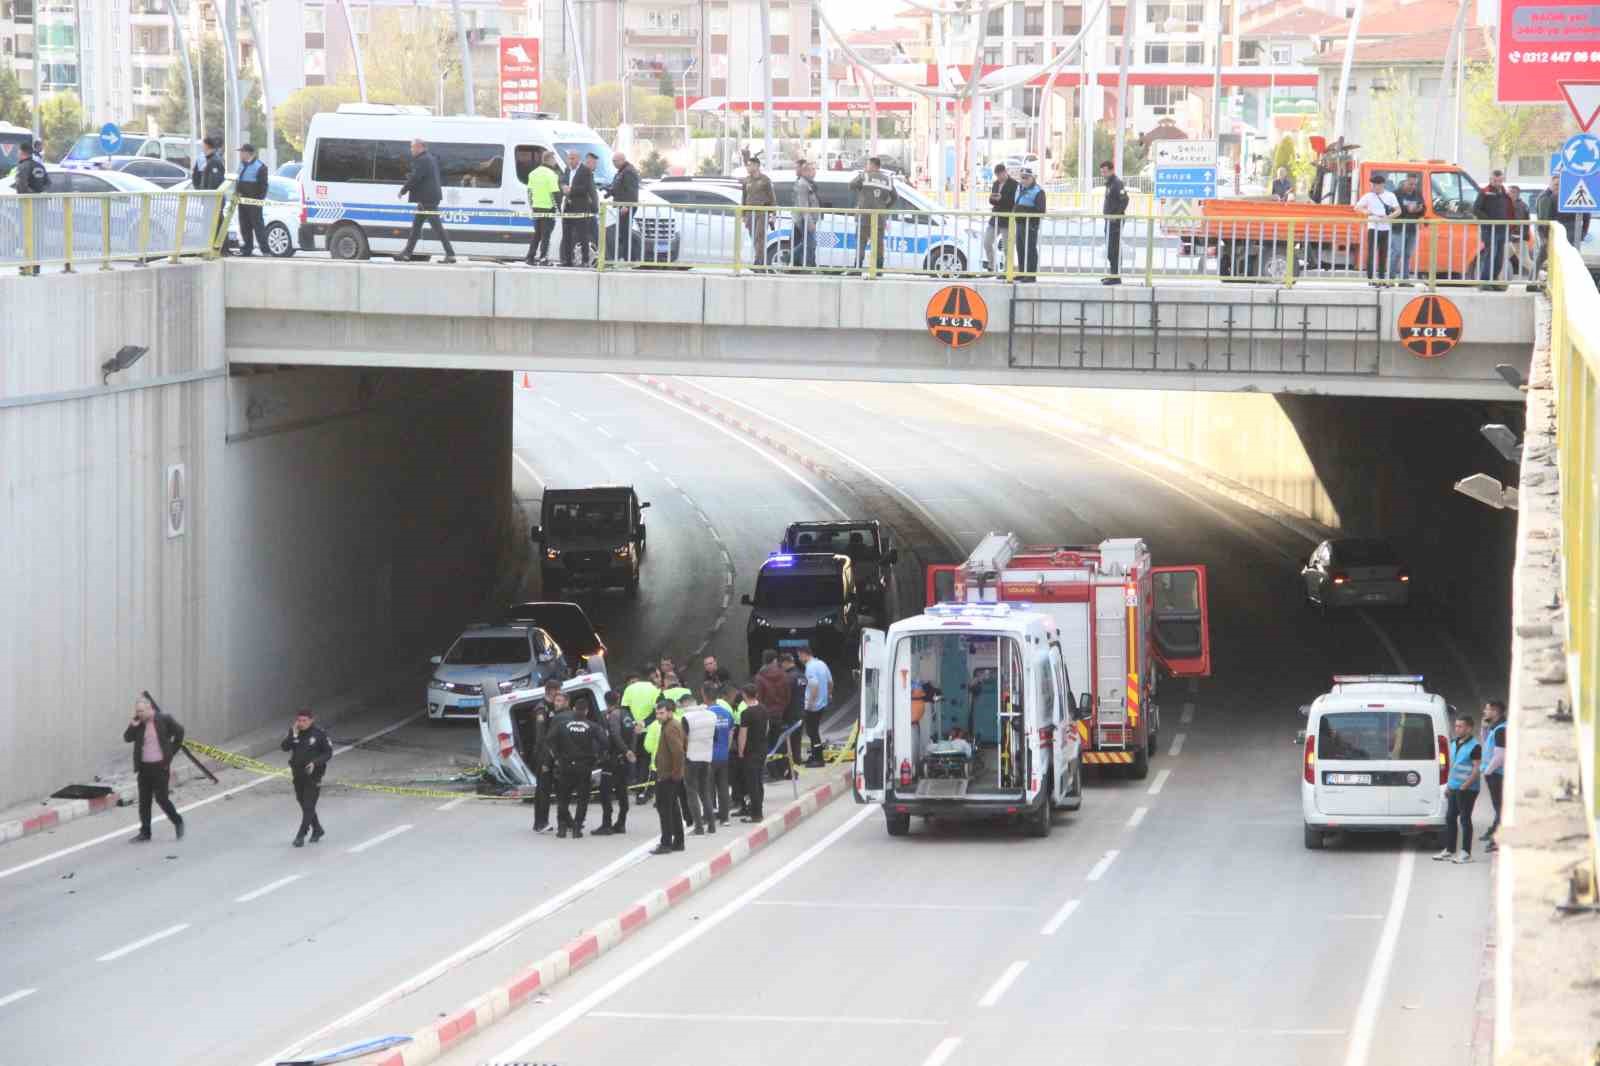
(1283, 156)
(61, 120)
(173, 114)
(644, 108)
(654, 165)
(1391, 130)
(709, 167)
(294, 114)
(13, 103)
(1508, 130)
(665, 87)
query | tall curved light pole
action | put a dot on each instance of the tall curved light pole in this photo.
(466, 60)
(577, 54)
(189, 84)
(766, 83)
(1344, 74)
(232, 109)
(271, 151)
(355, 47)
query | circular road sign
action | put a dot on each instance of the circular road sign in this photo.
(957, 316)
(1429, 326)
(110, 138)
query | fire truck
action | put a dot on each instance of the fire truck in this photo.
(1119, 619)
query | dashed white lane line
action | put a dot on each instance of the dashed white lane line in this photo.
(726, 598)
(1059, 918)
(1177, 744)
(630, 449)
(549, 401)
(1003, 982)
(603, 431)
(265, 889)
(942, 1053)
(129, 949)
(576, 417)
(1382, 960)
(529, 468)
(1159, 783)
(1137, 816)
(670, 483)
(1099, 869)
(450, 805)
(21, 993)
(379, 839)
(1188, 714)
(653, 468)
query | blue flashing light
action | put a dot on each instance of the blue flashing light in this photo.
(780, 560)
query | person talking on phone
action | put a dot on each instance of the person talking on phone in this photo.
(309, 751)
(156, 738)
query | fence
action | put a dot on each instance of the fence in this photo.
(1575, 363)
(82, 229)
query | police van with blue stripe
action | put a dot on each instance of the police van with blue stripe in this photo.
(358, 157)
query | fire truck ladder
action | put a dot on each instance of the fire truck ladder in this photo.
(1111, 668)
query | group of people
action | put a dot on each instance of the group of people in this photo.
(702, 754)
(1477, 758)
(1024, 196)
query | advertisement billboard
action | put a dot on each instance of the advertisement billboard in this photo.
(1543, 43)
(519, 75)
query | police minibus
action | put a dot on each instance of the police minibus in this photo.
(357, 158)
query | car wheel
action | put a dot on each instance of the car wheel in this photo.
(1314, 839)
(348, 242)
(898, 824)
(780, 256)
(1039, 822)
(946, 261)
(1152, 744)
(1140, 769)
(633, 587)
(280, 242)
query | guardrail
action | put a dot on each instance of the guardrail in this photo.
(1333, 244)
(1575, 366)
(84, 229)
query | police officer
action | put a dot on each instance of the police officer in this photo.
(614, 771)
(30, 179)
(252, 185)
(309, 751)
(553, 706)
(576, 744)
(208, 170)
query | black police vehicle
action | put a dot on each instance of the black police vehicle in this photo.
(872, 560)
(591, 538)
(805, 600)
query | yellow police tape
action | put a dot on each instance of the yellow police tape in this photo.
(256, 766)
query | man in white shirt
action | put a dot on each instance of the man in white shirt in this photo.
(819, 691)
(1379, 205)
(700, 731)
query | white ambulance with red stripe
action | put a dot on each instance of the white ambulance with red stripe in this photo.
(1119, 617)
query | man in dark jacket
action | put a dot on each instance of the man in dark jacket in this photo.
(671, 762)
(156, 738)
(208, 172)
(309, 751)
(1115, 206)
(1493, 205)
(30, 179)
(426, 190)
(1002, 198)
(614, 773)
(1516, 248)
(797, 701)
(751, 744)
(578, 234)
(576, 744)
(252, 185)
(625, 190)
(874, 189)
(546, 717)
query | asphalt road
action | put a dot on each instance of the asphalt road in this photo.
(1173, 920)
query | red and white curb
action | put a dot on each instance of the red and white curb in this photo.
(59, 813)
(429, 1043)
(749, 429)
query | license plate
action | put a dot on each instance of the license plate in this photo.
(1349, 779)
(1374, 596)
(468, 702)
(793, 643)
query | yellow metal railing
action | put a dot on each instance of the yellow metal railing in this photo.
(1575, 366)
(81, 229)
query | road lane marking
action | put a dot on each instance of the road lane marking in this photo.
(1188, 714)
(529, 468)
(1137, 816)
(129, 949)
(942, 1053)
(264, 889)
(549, 401)
(603, 431)
(856, 906)
(578, 417)
(450, 805)
(1177, 745)
(1103, 865)
(21, 993)
(607, 992)
(1003, 982)
(759, 1019)
(1159, 783)
(671, 483)
(1382, 961)
(630, 449)
(652, 467)
(121, 833)
(379, 839)
(1059, 919)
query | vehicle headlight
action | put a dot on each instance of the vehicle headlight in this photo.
(621, 552)
(759, 622)
(435, 685)
(828, 620)
(517, 682)
(552, 553)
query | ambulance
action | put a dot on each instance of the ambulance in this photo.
(967, 713)
(1119, 618)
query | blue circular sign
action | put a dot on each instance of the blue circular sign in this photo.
(110, 138)
(1581, 153)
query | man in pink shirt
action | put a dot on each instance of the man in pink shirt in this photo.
(156, 738)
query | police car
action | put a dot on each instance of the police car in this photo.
(1375, 757)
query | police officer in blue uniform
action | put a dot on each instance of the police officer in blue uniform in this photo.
(252, 185)
(1461, 791)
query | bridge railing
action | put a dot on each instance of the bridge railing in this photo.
(1575, 366)
(97, 229)
(1332, 244)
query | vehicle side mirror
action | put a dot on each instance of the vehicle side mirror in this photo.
(1305, 710)
(536, 534)
(1084, 709)
(891, 556)
(745, 599)
(642, 506)
(436, 660)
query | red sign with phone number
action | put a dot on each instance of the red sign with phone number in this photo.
(1543, 43)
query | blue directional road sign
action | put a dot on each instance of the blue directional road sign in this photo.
(1579, 191)
(110, 138)
(1186, 183)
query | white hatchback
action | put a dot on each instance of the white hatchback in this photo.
(1375, 757)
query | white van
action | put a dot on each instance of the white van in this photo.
(357, 158)
(967, 713)
(1376, 757)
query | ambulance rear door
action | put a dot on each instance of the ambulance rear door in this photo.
(1181, 622)
(872, 723)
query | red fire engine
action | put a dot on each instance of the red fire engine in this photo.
(1119, 618)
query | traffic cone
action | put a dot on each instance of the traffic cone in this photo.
(527, 382)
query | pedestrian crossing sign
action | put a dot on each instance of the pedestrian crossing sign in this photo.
(1580, 193)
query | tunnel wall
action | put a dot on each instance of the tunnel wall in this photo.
(1364, 466)
(97, 601)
